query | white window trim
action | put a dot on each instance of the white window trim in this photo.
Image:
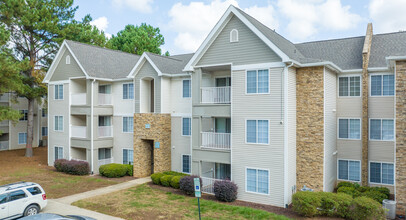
(231, 34)
(122, 89)
(381, 162)
(369, 129)
(338, 129)
(190, 89)
(190, 163)
(122, 127)
(269, 128)
(348, 76)
(63, 152)
(360, 168)
(269, 82)
(18, 140)
(63, 123)
(63, 91)
(246, 181)
(370, 87)
(67, 59)
(181, 131)
(122, 158)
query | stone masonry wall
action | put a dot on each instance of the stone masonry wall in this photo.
(310, 127)
(401, 136)
(159, 131)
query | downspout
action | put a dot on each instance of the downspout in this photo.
(91, 127)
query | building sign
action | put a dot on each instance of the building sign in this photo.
(147, 126)
(157, 144)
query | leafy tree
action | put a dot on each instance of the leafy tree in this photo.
(137, 39)
(167, 54)
(86, 33)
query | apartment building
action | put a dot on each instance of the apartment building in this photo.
(14, 134)
(249, 106)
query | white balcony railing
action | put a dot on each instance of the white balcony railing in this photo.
(218, 141)
(78, 99)
(216, 95)
(3, 145)
(104, 99)
(105, 131)
(105, 161)
(78, 131)
(208, 184)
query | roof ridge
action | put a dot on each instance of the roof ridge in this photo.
(335, 39)
(166, 57)
(390, 33)
(103, 48)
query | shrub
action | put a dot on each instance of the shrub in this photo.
(306, 203)
(382, 190)
(345, 184)
(343, 203)
(349, 190)
(129, 169)
(225, 190)
(375, 195)
(175, 181)
(73, 167)
(365, 208)
(363, 189)
(156, 178)
(166, 180)
(186, 184)
(113, 170)
(174, 173)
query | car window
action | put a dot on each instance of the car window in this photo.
(3, 198)
(19, 194)
(34, 190)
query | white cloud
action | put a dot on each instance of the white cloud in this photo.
(388, 15)
(143, 6)
(101, 23)
(195, 20)
(307, 17)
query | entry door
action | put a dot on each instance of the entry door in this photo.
(3, 206)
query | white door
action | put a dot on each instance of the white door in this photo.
(3, 206)
(16, 202)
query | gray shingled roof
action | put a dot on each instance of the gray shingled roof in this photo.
(171, 64)
(384, 45)
(101, 62)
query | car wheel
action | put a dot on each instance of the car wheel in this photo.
(31, 210)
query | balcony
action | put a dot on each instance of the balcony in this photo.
(3, 145)
(216, 95)
(105, 161)
(105, 131)
(78, 131)
(217, 141)
(78, 99)
(105, 99)
(208, 184)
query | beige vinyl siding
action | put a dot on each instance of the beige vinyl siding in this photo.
(381, 107)
(250, 48)
(180, 104)
(349, 107)
(180, 144)
(147, 71)
(291, 133)
(330, 128)
(166, 95)
(349, 149)
(64, 71)
(121, 140)
(382, 151)
(261, 156)
(121, 106)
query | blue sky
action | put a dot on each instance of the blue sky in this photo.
(185, 24)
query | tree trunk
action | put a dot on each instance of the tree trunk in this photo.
(30, 128)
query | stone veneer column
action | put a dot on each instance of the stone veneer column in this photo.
(401, 136)
(310, 127)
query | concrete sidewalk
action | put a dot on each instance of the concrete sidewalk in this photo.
(63, 205)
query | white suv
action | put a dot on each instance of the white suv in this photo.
(21, 199)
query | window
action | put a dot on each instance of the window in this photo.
(34, 191)
(349, 170)
(257, 181)
(3, 198)
(349, 86)
(128, 124)
(67, 59)
(16, 195)
(381, 129)
(104, 153)
(382, 173)
(44, 131)
(58, 153)
(382, 85)
(24, 115)
(22, 138)
(105, 89)
(349, 129)
(128, 91)
(257, 81)
(104, 121)
(44, 112)
(58, 92)
(186, 88)
(186, 126)
(233, 36)
(128, 156)
(58, 123)
(257, 131)
(186, 163)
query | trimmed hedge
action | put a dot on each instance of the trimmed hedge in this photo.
(175, 181)
(113, 170)
(355, 190)
(74, 167)
(186, 184)
(130, 169)
(156, 178)
(174, 173)
(225, 190)
(349, 190)
(166, 180)
(341, 205)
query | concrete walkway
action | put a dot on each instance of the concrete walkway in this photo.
(63, 205)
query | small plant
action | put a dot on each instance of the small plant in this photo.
(175, 181)
(225, 190)
(365, 208)
(186, 184)
(165, 180)
(306, 203)
(156, 178)
(345, 184)
(73, 167)
(375, 195)
(113, 170)
(349, 190)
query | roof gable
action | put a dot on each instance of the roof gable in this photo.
(64, 71)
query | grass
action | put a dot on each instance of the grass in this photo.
(16, 167)
(144, 202)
